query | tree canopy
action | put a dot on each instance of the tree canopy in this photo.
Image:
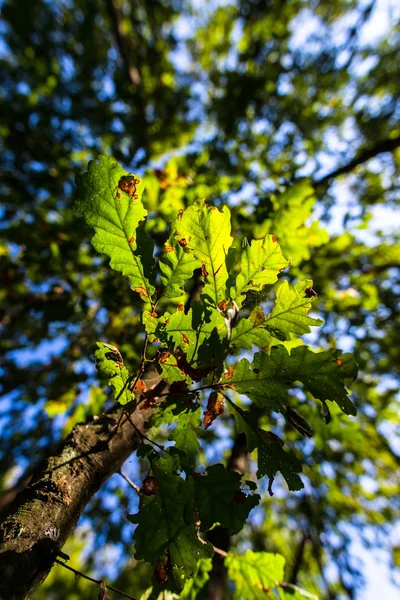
(198, 219)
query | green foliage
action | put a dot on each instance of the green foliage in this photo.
(260, 574)
(195, 342)
(261, 261)
(166, 524)
(271, 111)
(219, 499)
(115, 215)
(268, 378)
(206, 231)
(110, 364)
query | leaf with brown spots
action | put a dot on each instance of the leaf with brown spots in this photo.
(177, 265)
(116, 221)
(149, 486)
(268, 378)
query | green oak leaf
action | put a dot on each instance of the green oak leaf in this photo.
(254, 573)
(193, 586)
(271, 455)
(207, 231)
(172, 408)
(170, 371)
(177, 265)
(109, 362)
(290, 313)
(251, 331)
(115, 217)
(185, 437)
(166, 522)
(268, 378)
(260, 264)
(219, 499)
(190, 331)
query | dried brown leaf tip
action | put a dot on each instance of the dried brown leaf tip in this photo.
(149, 486)
(163, 356)
(185, 338)
(140, 386)
(310, 293)
(204, 271)
(215, 407)
(140, 290)
(127, 184)
(229, 373)
(222, 305)
(148, 403)
(180, 213)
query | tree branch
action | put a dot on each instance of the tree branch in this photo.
(388, 145)
(123, 41)
(41, 518)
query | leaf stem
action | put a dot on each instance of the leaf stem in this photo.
(133, 485)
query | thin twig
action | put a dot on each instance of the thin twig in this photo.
(133, 485)
(211, 386)
(145, 436)
(142, 361)
(216, 550)
(96, 581)
(220, 552)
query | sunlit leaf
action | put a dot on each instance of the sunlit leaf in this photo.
(254, 574)
(115, 215)
(290, 313)
(261, 262)
(177, 265)
(206, 231)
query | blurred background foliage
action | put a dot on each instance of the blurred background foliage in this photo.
(289, 113)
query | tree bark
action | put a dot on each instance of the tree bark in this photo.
(42, 517)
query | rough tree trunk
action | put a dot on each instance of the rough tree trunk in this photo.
(43, 516)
